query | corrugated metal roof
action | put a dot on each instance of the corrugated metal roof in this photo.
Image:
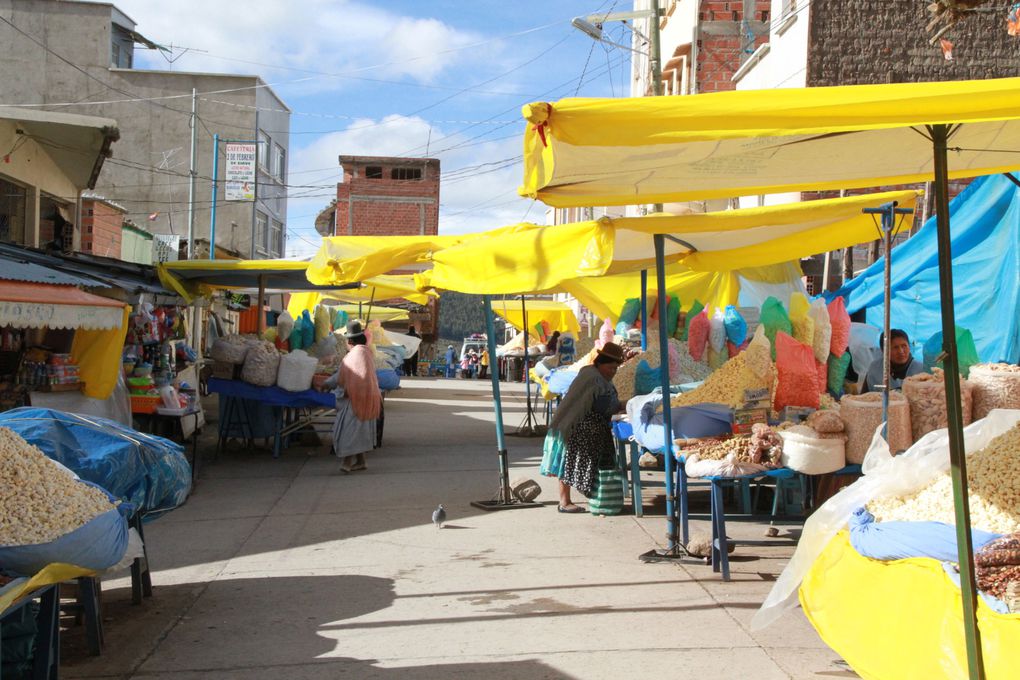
(29, 272)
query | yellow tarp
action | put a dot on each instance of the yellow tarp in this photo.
(546, 258)
(344, 259)
(581, 152)
(374, 290)
(192, 278)
(48, 575)
(901, 619)
(99, 357)
(558, 315)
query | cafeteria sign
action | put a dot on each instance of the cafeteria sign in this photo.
(240, 175)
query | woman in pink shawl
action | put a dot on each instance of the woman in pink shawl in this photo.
(358, 402)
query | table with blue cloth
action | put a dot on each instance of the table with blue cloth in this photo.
(249, 412)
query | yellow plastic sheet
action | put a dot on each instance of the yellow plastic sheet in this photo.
(558, 315)
(48, 575)
(98, 355)
(580, 152)
(902, 619)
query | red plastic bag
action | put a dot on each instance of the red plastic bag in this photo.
(798, 374)
(822, 368)
(732, 349)
(840, 320)
(697, 335)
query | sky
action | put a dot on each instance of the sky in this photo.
(415, 78)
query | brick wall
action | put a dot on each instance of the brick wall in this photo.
(884, 41)
(722, 42)
(386, 206)
(101, 228)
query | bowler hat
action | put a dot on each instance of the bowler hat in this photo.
(354, 330)
(611, 350)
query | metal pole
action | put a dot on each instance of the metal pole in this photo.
(527, 377)
(644, 310)
(255, 200)
(667, 419)
(191, 178)
(212, 210)
(654, 56)
(371, 299)
(504, 467)
(957, 453)
(261, 305)
(887, 227)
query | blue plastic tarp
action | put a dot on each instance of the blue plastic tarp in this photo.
(149, 472)
(902, 540)
(689, 422)
(985, 228)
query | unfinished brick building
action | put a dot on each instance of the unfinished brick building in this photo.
(385, 196)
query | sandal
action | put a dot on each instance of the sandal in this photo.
(570, 509)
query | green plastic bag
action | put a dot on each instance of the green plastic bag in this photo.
(838, 367)
(966, 352)
(608, 496)
(775, 320)
(691, 313)
(631, 310)
(672, 315)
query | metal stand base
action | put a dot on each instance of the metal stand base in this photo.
(671, 555)
(493, 505)
(529, 430)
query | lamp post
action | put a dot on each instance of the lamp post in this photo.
(591, 26)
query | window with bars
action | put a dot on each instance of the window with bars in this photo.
(405, 173)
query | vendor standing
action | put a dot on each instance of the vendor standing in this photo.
(581, 436)
(358, 401)
(411, 363)
(902, 364)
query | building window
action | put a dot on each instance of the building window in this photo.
(373, 172)
(12, 212)
(279, 162)
(261, 231)
(263, 150)
(115, 55)
(276, 239)
(405, 173)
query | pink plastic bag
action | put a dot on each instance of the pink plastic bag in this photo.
(606, 334)
(697, 336)
(798, 375)
(822, 369)
(840, 321)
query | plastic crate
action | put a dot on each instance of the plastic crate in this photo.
(145, 404)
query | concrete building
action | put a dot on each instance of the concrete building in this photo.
(384, 196)
(62, 52)
(48, 160)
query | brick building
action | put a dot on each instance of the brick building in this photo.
(384, 196)
(102, 226)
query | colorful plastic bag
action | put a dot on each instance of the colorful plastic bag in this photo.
(672, 315)
(966, 352)
(631, 311)
(717, 331)
(736, 327)
(798, 376)
(839, 319)
(697, 335)
(608, 497)
(775, 320)
(691, 314)
(822, 341)
(837, 373)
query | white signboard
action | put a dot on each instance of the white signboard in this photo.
(240, 173)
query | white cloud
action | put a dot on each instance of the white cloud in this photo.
(321, 35)
(479, 198)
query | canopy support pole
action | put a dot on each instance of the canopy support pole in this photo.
(888, 211)
(529, 428)
(675, 550)
(371, 299)
(957, 453)
(505, 499)
(261, 305)
(644, 310)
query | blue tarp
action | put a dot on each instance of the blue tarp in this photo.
(149, 472)
(985, 227)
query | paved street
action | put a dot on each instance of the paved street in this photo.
(289, 569)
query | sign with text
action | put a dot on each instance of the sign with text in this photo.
(240, 172)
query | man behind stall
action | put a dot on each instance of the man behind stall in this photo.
(902, 364)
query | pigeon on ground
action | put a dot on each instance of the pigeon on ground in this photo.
(439, 516)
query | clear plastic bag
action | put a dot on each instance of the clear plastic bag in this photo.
(822, 341)
(717, 331)
(884, 475)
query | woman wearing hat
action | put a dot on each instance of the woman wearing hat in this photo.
(358, 401)
(581, 435)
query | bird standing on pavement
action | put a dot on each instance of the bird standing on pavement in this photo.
(439, 516)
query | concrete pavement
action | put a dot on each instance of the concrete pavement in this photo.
(288, 569)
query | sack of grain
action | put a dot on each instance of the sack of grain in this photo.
(926, 393)
(862, 414)
(231, 349)
(805, 451)
(296, 371)
(261, 365)
(995, 386)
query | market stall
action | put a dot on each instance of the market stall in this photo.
(583, 152)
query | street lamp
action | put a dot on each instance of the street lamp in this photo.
(591, 26)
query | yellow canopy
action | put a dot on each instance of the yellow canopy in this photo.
(580, 152)
(191, 278)
(374, 290)
(546, 258)
(558, 315)
(343, 259)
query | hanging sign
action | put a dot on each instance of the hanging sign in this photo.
(240, 173)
